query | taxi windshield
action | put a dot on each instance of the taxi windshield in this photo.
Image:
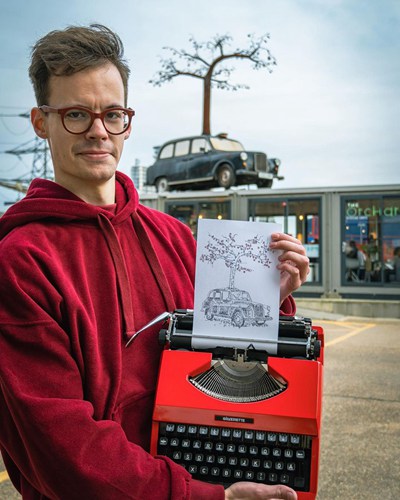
(222, 144)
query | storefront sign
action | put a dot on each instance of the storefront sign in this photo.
(353, 211)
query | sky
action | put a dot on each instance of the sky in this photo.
(329, 110)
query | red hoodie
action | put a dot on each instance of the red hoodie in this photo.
(75, 405)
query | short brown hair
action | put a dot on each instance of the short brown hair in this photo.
(65, 52)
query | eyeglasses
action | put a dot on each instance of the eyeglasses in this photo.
(78, 120)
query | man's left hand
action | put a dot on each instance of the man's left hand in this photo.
(294, 263)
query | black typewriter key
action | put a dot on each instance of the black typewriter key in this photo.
(188, 457)
(231, 448)
(249, 436)
(163, 441)
(192, 469)
(264, 451)
(284, 479)
(204, 470)
(176, 455)
(279, 465)
(215, 471)
(208, 445)
(197, 444)
(214, 432)
(244, 462)
(260, 476)
(233, 461)
(271, 437)
(253, 450)
(221, 460)
(249, 475)
(238, 474)
(199, 457)
(267, 464)
(210, 459)
(272, 477)
(291, 466)
(170, 428)
(181, 429)
(226, 473)
(174, 442)
(295, 439)
(203, 431)
(192, 430)
(300, 454)
(242, 448)
(276, 452)
(185, 443)
(260, 437)
(226, 433)
(237, 434)
(283, 438)
(219, 446)
(256, 463)
(288, 453)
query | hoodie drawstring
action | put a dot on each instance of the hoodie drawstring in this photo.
(154, 263)
(121, 272)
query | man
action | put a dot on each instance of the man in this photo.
(84, 266)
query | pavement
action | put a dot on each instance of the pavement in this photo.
(360, 444)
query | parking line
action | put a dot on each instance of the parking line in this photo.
(3, 476)
(350, 334)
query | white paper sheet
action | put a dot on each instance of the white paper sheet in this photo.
(236, 300)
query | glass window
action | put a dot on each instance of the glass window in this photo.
(222, 144)
(371, 242)
(182, 148)
(200, 146)
(167, 151)
(190, 212)
(300, 218)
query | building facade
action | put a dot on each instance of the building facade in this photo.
(351, 234)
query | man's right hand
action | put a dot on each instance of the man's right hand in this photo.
(255, 491)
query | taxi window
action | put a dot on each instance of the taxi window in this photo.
(182, 148)
(167, 151)
(200, 146)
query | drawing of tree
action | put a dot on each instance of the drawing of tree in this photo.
(235, 254)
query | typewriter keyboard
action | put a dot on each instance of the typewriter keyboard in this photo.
(226, 455)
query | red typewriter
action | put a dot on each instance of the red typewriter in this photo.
(229, 414)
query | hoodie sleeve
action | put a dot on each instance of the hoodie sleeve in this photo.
(48, 427)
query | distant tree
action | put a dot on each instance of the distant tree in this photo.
(202, 60)
(234, 254)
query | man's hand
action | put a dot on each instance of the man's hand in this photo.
(255, 491)
(294, 263)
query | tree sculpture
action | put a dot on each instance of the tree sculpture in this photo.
(234, 254)
(202, 61)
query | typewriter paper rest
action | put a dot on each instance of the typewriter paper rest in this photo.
(237, 286)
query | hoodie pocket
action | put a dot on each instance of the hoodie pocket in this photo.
(134, 414)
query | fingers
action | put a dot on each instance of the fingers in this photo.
(293, 258)
(254, 491)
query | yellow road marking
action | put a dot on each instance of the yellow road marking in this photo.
(350, 334)
(3, 477)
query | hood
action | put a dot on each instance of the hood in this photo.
(47, 200)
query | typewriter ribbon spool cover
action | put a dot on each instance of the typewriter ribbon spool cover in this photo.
(240, 389)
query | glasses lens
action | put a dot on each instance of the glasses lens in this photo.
(77, 121)
(116, 120)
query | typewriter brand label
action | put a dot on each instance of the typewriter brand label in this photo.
(241, 420)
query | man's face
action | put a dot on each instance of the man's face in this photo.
(88, 159)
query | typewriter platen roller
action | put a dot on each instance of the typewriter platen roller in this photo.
(229, 414)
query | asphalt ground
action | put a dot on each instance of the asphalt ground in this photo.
(360, 448)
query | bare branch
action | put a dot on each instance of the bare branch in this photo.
(202, 60)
